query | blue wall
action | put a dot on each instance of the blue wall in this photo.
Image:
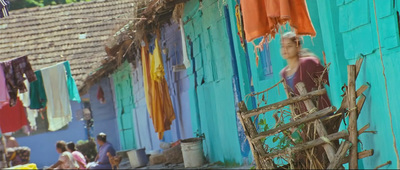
(43, 146)
(104, 115)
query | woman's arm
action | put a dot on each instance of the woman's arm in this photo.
(97, 157)
(81, 164)
(58, 163)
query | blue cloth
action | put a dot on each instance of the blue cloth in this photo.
(72, 89)
(103, 162)
(290, 81)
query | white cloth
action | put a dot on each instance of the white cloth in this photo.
(186, 61)
(24, 97)
(68, 161)
(59, 111)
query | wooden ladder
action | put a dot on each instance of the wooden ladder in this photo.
(336, 156)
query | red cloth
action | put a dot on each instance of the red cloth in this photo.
(100, 95)
(12, 118)
(263, 17)
(310, 69)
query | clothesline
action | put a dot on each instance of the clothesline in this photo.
(51, 88)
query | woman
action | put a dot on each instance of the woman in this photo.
(66, 160)
(303, 66)
(78, 156)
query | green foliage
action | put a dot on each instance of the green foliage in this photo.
(19, 4)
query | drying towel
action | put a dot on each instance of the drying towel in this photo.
(12, 118)
(37, 93)
(59, 111)
(263, 17)
(72, 89)
(4, 95)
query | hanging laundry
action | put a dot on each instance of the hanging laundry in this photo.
(146, 74)
(162, 111)
(4, 5)
(4, 95)
(24, 97)
(26, 102)
(72, 89)
(186, 60)
(12, 118)
(100, 95)
(14, 71)
(37, 94)
(263, 17)
(59, 111)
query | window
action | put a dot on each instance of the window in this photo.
(264, 64)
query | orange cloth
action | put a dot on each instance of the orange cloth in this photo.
(263, 17)
(158, 100)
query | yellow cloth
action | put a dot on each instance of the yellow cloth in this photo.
(26, 166)
(157, 96)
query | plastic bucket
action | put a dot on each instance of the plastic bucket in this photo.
(138, 158)
(192, 151)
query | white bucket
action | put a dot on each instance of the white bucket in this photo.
(192, 151)
(138, 158)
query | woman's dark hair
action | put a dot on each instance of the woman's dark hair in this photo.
(102, 137)
(71, 146)
(61, 145)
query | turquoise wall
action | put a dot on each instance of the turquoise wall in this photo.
(346, 28)
(358, 29)
(213, 110)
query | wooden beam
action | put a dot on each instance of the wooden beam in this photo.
(298, 122)
(360, 155)
(283, 103)
(308, 145)
(363, 129)
(329, 149)
(340, 155)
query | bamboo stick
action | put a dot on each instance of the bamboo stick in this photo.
(360, 155)
(363, 129)
(362, 89)
(298, 122)
(360, 104)
(329, 149)
(351, 69)
(340, 155)
(283, 103)
(380, 166)
(251, 131)
(358, 66)
(308, 145)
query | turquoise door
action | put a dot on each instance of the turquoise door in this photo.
(125, 105)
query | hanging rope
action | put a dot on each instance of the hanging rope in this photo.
(386, 88)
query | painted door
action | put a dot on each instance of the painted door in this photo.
(125, 105)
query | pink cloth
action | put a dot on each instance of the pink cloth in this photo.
(4, 96)
(78, 156)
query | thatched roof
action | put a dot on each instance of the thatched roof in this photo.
(76, 32)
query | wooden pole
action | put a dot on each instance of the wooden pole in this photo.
(283, 103)
(340, 155)
(329, 149)
(360, 155)
(300, 121)
(358, 66)
(351, 94)
(251, 131)
(360, 104)
(363, 129)
(308, 145)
